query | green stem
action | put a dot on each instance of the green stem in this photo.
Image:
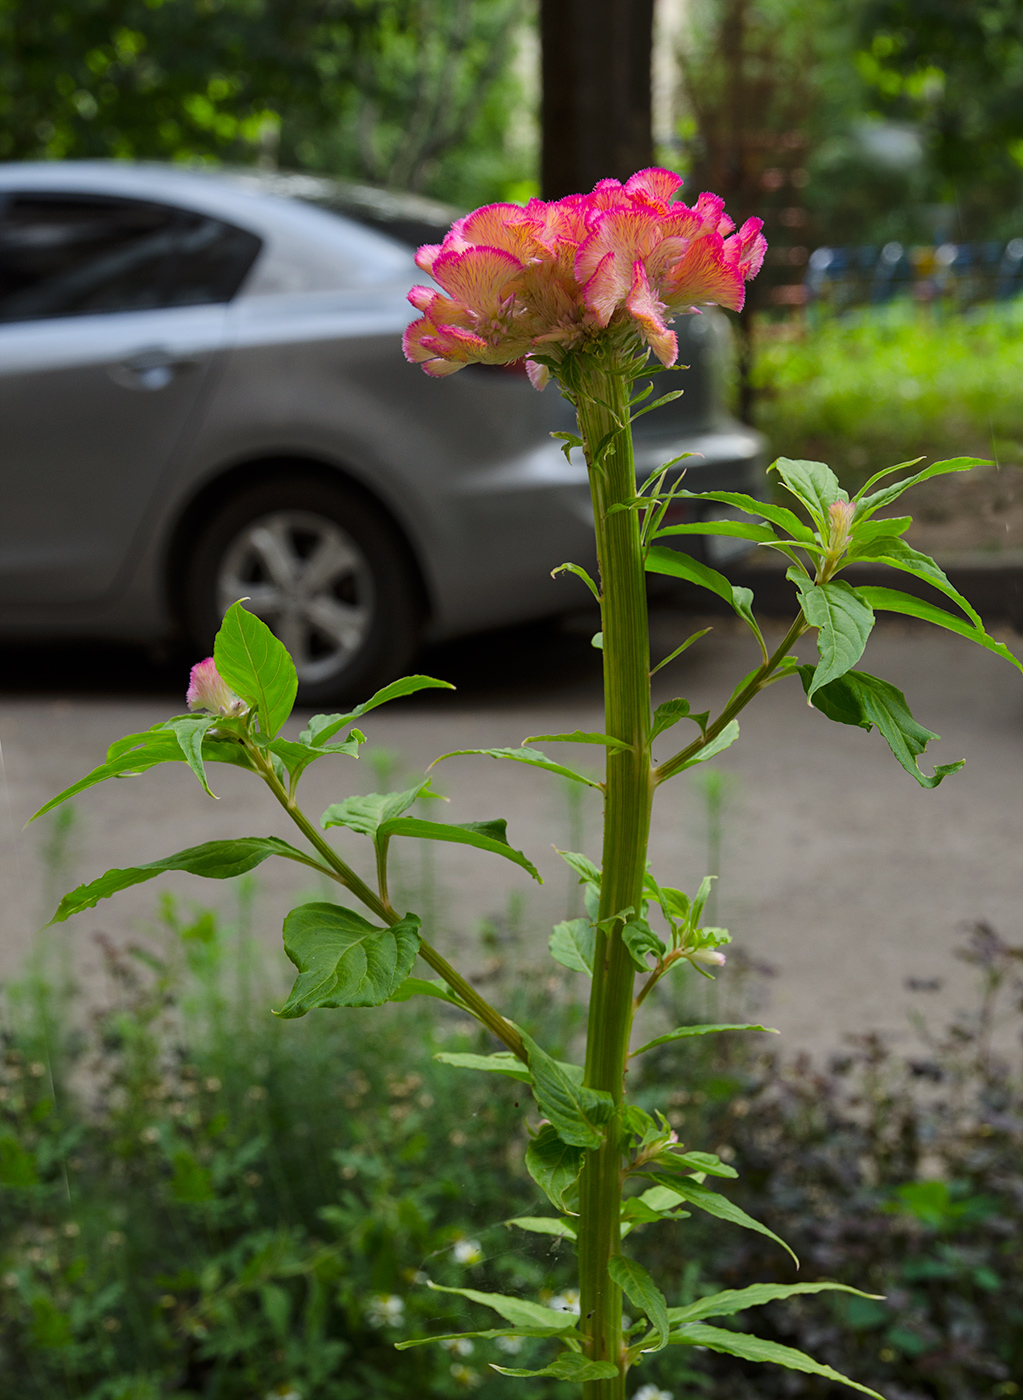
(345, 875)
(603, 407)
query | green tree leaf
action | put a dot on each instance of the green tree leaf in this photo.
(890, 600)
(582, 865)
(520, 1312)
(323, 727)
(576, 1113)
(570, 1366)
(736, 1300)
(366, 815)
(843, 621)
(257, 666)
(418, 987)
(642, 942)
(485, 836)
(737, 529)
(714, 1204)
(866, 505)
(778, 515)
(489, 1332)
(343, 960)
(716, 745)
(813, 483)
(865, 700)
(297, 757)
(530, 756)
(640, 1289)
(749, 1348)
(578, 736)
(661, 560)
(669, 714)
(553, 1165)
(684, 1032)
(190, 730)
(545, 1225)
(214, 860)
(572, 944)
(503, 1062)
(897, 554)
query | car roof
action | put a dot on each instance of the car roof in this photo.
(301, 219)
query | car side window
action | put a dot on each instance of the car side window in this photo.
(79, 255)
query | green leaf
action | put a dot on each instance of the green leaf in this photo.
(867, 505)
(705, 1199)
(257, 666)
(778, 515)
(678, 652)
(488, 1332)
(520, 1312)
(297, 757)
(418, 987)
(669, 714)
(582, 865)
(843, 621)
(504, 1062)
(576, 1113)
(897, 554)
(890, 600)
(485, 836)
(813, 483)
(736, 1300)
(545, 1225)
(190, 730)
(366, 814)
(708, 1162)
(579, 573)
(661, 560)
(214, 860)
(640, 1289)
(323, 727)
(684, 1032)
(597, 641)
(343, 960)
(531, 756)
(578, 736)
(738, 529)
(572, 944)
(570, 1366)
(642, 942)
(553, 1165)
(715, 746)
(865, 700)
(749, 1348)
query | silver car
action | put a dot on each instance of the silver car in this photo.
(203, 396)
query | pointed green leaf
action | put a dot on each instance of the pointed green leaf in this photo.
(813, 483)
(582, 865)
(323, 727)
(867, 505)
(570, 1366)
(749, 1348)
(737, 529)
(579, 573)
(578, 736)
(669, 714)
(297, 757)
(786, 519)
(890, 600)
(897, 554)
(713, 747)
(572, 944)
(520, 1312)
(865, 700)
(640, 1289)
(366, 814)
(504, 1062)
(215, 860)
(257, 666)
(708, 1162)
(720, 1206)
(545, 1225)
(661, 560)
(530, 756)
(642, 942)
(485, 836)
(736, 1300)
(190, 730)
(553, 1165)
(678, 652)
(843, 621)
(577, 1113)
(343, 960)
(488, 1333)
(418, 987)
(684, 1032)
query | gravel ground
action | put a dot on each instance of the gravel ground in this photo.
(837, 869)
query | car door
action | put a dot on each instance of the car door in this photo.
(112, 325)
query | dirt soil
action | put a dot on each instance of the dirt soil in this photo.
(967, 513)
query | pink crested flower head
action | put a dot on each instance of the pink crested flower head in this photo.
(207, 691)
(549, 278)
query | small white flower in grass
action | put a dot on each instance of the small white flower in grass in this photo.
(510, 1345)
(467, 1252)
(652, 1392)
(460, 1346)
(385, 1310)
(465, 1375)
(568, 1301)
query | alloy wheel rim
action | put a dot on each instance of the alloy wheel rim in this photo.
(309, 581)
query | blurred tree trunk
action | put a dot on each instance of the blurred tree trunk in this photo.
(596, 106)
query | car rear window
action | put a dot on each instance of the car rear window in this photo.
(78, 255)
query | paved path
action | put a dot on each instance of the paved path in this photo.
(837, 869)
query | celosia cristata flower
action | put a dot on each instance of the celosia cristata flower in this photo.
(549, 278)
(208, 691)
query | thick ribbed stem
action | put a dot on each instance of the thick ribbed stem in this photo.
(603, 409)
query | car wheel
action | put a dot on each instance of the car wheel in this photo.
(324, 570)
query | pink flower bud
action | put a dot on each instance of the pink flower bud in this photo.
(207, 691)
(710, 957)
(841, 514)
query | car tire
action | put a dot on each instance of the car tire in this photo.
(324, 569)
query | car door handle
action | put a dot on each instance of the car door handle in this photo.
(151, 369)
